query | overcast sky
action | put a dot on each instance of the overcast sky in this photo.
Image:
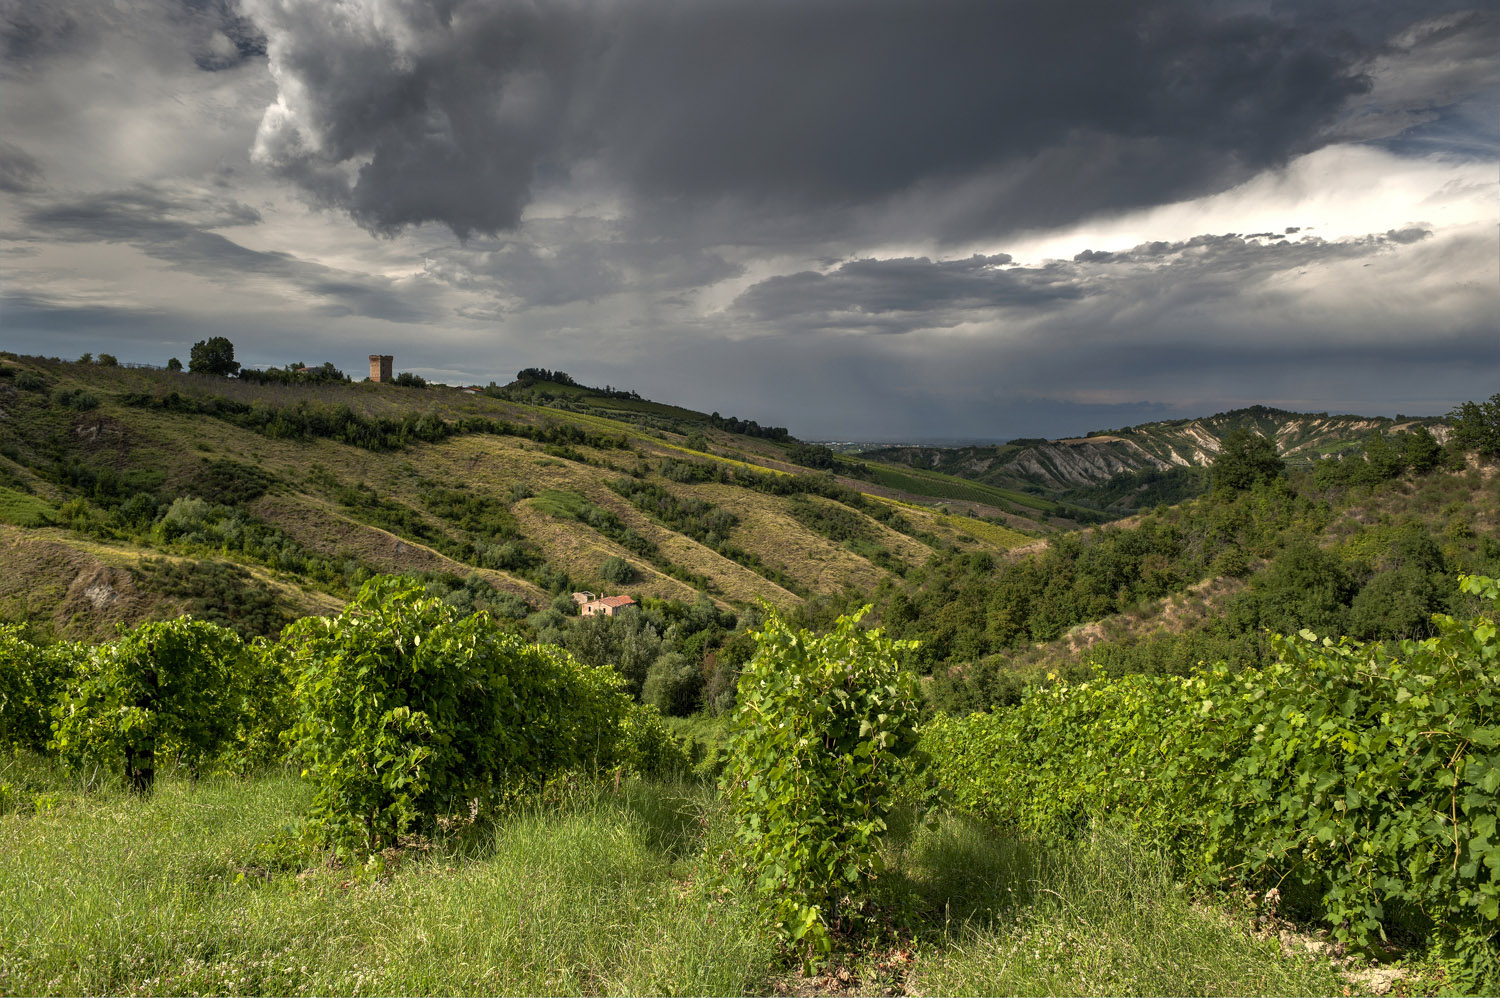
(861, 219)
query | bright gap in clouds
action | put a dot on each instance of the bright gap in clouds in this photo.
(1340, 192)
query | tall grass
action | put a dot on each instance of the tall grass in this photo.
(198, 890)
(1007, 917)
(179, 894)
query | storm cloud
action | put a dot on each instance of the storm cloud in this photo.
(905, 295)
(850, 217)
(458, 112)
(175, 226)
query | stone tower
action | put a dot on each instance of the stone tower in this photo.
(380, 366)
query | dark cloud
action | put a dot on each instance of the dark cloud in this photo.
(215, 34)
(583, 263)
(31, 30)
(20, 173)
(906, 295)
(1434, 87)
(861, 293)
(173, 226)
(456, 112)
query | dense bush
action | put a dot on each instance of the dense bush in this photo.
(31, 677)
(674, 685)
(1245, 459)
(1476, 426)
(649, 748)
(408, 712)
(166, 688)
(617, 570)
(819, 730)
(220, 592)
(76, 399)
(1365, 774)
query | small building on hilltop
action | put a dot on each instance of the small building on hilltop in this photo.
(584, 597)
(380, 367)
(607, 605)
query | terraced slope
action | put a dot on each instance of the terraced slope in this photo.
(300, 491)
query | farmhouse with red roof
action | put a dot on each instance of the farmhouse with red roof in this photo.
(607, 605)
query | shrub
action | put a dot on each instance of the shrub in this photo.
(1476, 426)
(649, 748)
(229, 483)
(1244, 459)
(167, 687)
(76, 399)
(408, 712)
(817, 735)
(31, 677)
(1367, 774)
(674, 685)
(617, 570)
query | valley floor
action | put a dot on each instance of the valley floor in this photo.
(199, 890)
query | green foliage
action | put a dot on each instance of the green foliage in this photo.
(229, 483)
(812, 456)
(1305, 586)
(31, 677)
(1367, 775)
(1244, 459)
(30, 381)
(1476, 426)
(617, 570)
(295, 373)
(171, 687)
(408, 712)
(1383, 459)
(1142, 489)
(627, 642)
(649, 748)
(674, 685)
(217, 591)
(214, 355)
(76, 398)
(819, 731)
(174, 365)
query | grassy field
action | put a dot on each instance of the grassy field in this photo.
(196, 891)
(918, 481)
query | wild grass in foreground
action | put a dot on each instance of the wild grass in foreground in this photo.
(187, 892)
(1006, 917)
(179, 894)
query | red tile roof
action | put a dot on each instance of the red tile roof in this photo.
(617, 601)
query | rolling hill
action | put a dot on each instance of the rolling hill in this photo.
(127, 493)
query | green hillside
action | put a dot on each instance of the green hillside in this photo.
(154, 491)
